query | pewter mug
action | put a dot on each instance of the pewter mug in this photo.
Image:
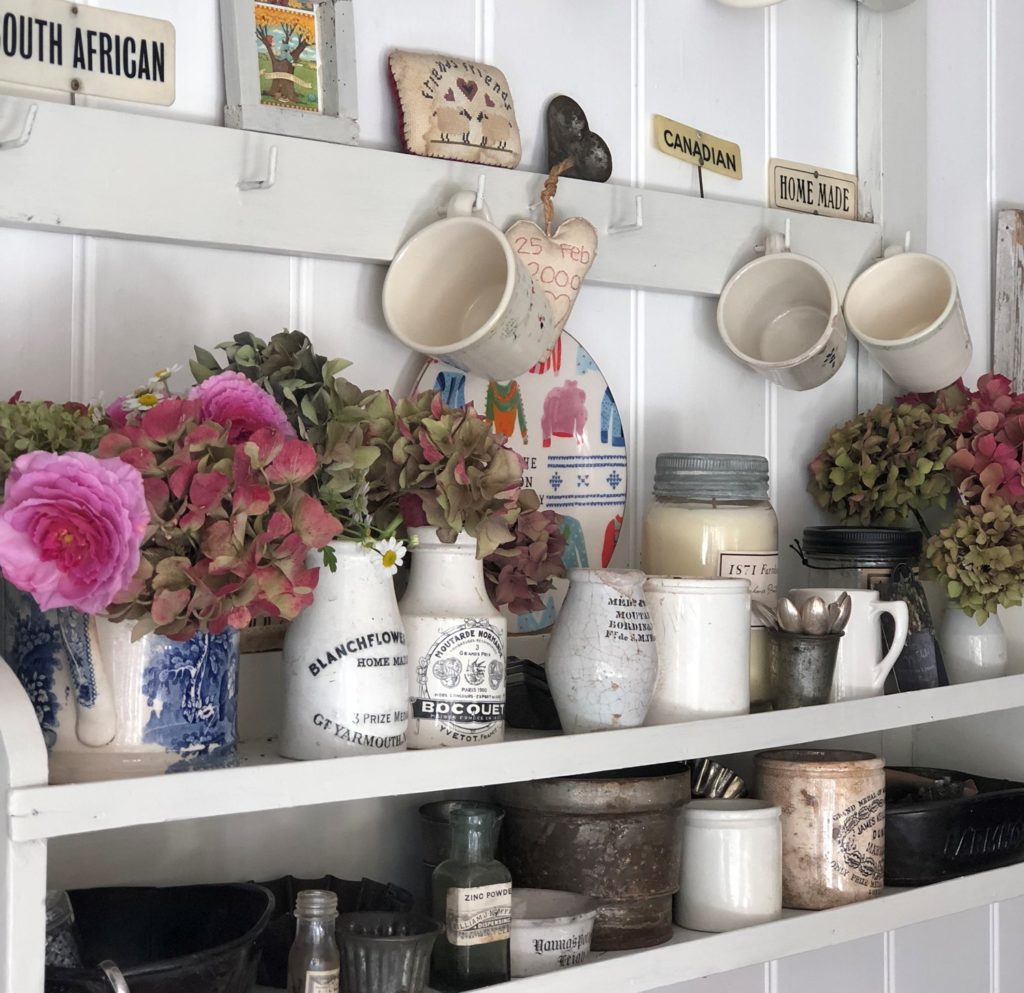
(801, 667)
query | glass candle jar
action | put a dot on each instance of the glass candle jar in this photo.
(851, 558)
(711, 516)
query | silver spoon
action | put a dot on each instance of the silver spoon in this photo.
(789, 616)
(765, 614)
(814, 616)
(844, 606)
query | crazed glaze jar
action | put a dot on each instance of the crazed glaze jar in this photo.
(731, 871)
(833, 823)
(711, 516)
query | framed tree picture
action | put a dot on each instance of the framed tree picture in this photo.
(289, 68)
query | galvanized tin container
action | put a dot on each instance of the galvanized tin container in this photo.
(613, 836)
(833, 823)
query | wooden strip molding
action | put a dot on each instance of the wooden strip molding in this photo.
(1008, 331)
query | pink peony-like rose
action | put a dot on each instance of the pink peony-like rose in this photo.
(230, 397)
(71, 527)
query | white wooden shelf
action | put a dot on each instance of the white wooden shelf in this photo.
(129, 176)
(692, 954)
(266, 782)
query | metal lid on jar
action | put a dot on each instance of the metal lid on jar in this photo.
(711, 476)
(863, 544)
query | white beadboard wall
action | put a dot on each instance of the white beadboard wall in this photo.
(85, 316)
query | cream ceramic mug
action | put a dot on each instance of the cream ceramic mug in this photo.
(906, 310)
(458, 292)
(780, 315)
(862, 666)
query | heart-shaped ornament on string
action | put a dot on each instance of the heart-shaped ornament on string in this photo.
(559, 263)
(569, 136)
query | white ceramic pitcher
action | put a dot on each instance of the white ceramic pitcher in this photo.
(862, 666)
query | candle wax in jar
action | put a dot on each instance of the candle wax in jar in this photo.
(735, 540)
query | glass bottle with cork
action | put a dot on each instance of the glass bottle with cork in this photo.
(712, 517)
(314, 963)
(472, 894)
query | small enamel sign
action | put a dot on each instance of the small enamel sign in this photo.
(807, 188)
(698, 147)
(89, 51)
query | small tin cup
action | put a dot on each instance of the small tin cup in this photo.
(801, 668)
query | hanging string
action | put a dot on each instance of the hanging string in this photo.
(550, 187)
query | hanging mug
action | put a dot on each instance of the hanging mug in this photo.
(906, 310)
(861, 665)
(780, 315)
(458, 292)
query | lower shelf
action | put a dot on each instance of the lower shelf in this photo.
(691, 954)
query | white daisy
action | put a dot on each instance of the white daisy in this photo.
(392, 554)
(142, 400)
(162, 375)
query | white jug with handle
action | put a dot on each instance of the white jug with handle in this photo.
(862, 665)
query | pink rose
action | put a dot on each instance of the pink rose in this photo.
(116, 413)
(231, 398)
(71, 527)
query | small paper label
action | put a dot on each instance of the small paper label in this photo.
(323, 982)
(478, 915)
(811, 189)
(761, 569)
(698, 147)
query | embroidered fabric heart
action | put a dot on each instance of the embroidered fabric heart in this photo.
(557, 264)
(450, 95)
(569, 134)
(468, 87)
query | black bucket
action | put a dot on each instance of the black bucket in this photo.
(182, 939)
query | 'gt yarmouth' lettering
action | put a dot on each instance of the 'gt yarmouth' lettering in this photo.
(36, 39)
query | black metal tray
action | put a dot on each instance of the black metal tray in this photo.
(930, 840)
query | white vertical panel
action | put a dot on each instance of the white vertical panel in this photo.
(549, 48)
(750, 980)
(1010, 921)
(816, 82)
(853, 967)
(704, 66)
(959, 140)
(947, 955)
(153, 302)
(446, 26)
(35, 293)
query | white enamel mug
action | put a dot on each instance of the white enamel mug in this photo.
(780, 315)
(457, 291)
(862, 666)
(906, 310)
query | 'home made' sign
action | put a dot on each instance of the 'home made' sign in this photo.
(64, 46)
(807, 188)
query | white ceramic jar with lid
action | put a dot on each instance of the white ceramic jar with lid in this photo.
(711, 516)
(731, 869)
(701, 631)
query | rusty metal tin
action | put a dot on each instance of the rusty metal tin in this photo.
(833, 823)
(613, 836)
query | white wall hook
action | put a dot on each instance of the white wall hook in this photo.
(268, 180)
(636, 225)
(776, 242)
(481, 184)
(891, 250)
(26, 130)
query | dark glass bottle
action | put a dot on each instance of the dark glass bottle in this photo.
(472, 894)
(314, 964)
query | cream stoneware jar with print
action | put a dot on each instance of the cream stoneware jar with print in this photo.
(458, 292)
(602, 661)
(833, 823)
(346, 683)
(457, 646)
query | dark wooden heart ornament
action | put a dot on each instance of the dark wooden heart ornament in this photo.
(569, 136)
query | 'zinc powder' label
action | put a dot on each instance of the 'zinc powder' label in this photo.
(323, 982)
(478, 915)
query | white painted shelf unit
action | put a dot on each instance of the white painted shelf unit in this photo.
(147, 178)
